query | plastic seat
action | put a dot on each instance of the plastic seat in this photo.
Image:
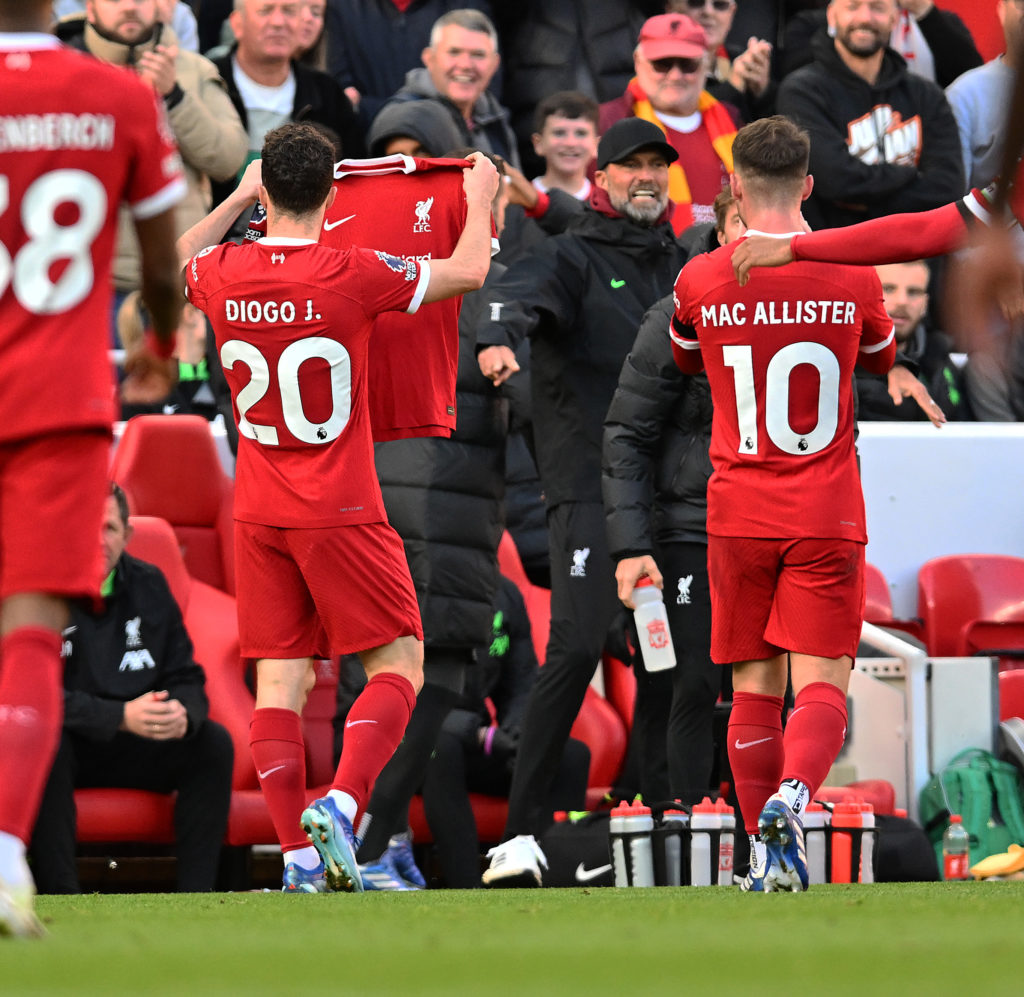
(878, 604)
(169, 467)
(973, 603)
(1011, 694)
(119, 815)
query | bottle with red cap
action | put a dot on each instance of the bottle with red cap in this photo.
(956, 850)
(652, 627)
(629, 833)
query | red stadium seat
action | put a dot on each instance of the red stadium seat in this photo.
(878, 792)
(169, 467)
(118, 815)
(878, 604)
(1011, 694)
(973, 603)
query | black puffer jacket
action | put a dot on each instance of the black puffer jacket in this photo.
(580, 298)
(656, 466)
(444, 497)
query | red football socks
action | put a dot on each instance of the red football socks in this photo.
(373, 729)
(755, 751)
(278, 751)
(31, 713)
(815, 733)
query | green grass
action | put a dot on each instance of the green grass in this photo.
(929, 938)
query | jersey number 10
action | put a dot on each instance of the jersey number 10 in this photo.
(776, 397)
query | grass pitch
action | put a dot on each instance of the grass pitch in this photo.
(927, 938)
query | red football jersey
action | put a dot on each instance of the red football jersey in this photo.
(779, 355)
(415, 209)
(292, 320)
(77, 137)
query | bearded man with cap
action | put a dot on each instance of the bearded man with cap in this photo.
(580, 299)
(671, 63)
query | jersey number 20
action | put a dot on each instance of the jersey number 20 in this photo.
(292, 358)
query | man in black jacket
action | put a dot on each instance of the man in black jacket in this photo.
(580, 298)
(882, 140)
(135, 716)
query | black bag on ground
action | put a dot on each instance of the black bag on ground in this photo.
(578, 852)
(903, 853)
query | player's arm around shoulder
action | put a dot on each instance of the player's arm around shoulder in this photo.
(466, 269)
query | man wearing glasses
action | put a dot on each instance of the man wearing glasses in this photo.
(738, 76)
(671, 62)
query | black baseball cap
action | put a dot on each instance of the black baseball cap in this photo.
(628, 136)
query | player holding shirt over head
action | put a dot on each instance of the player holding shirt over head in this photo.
(320, 571)
(76, 138)
(786, 531)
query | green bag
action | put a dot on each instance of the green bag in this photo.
(986, 793)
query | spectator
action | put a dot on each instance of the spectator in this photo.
(580, 298)
(741, 77)
(979, 99)
(905, 290)
(654, 481)
(460, 62)
(269, 87)
(372, 44)
(553, 45)
(135, 716)
(565, 138)
(200, 389)
(311, 44)
(882, 139)
(175, 14)
(207, 129)
(420, 128)
(475, 754)
(670, 62)
(935, 43)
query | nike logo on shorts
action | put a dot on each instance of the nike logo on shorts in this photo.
(749, 744)
(352, 723)
(341, 221)
(263, 775)
(585, 875)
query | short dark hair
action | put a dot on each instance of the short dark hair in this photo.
(722, 203)
(118, 495)
(566, 104)
(773, 149)
(298, 168)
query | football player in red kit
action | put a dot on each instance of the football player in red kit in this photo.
(77, 137)
(786, 531)
(320, 571)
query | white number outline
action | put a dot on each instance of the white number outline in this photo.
(291, 360)
(28, 272)
(776, 400)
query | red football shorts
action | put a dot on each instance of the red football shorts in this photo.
(53, 490)
(317, 592)
(769, 596)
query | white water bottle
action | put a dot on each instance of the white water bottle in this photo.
(815, 818)
(652, 627)
(704, 821)
(629, 831)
